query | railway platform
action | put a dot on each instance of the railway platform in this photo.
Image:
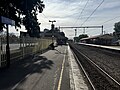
(53, 70)
(103, 46)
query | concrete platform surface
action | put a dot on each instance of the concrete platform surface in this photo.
(53, 70)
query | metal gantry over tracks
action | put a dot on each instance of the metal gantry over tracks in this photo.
(84, 27)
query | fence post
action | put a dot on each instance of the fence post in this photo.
(35, 45)
(0, 51)
(23, 45)
(8, 49)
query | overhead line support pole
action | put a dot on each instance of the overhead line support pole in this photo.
(102, 30)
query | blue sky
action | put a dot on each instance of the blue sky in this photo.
(68, 13)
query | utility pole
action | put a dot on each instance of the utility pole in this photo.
(7, 48)
(83, 30)
(52, 28)
(75, 32)
(52, 21)
(52, 25)
(102, 30)
(75, 35)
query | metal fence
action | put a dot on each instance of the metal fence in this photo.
(25, 47)
(2, 52)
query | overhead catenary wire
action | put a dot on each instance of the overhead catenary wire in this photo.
(81, 11)
(45, 16)
(74, 9)
(110, 20)
(93, 12)
(107, 28)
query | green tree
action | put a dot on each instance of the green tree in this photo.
(83, 36)
(31, 25)
(77, 39)
(117, 30)
(22, 11)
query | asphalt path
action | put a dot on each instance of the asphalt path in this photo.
(48, 71)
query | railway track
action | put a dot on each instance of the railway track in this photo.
(97, 77)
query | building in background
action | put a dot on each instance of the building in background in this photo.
(106, 39)
(59, 36)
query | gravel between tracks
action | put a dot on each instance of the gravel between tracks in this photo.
(107, 60)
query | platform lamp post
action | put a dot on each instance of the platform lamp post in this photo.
(52, 28)
(75, 35)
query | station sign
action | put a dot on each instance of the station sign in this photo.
(7, 21)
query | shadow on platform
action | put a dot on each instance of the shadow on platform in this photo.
(20, 69)
(58, 52)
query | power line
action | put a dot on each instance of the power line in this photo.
(45, 16)
(108, 28)
(82, 11)
(110, 20)
(44, 20)
(93, 12)
(74, 13)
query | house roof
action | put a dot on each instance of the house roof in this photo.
(105, 36)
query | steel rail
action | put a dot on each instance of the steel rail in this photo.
(104, 72)
(86, 75)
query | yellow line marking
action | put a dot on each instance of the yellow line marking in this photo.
(61, 74)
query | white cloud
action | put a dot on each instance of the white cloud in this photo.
(66, 12)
